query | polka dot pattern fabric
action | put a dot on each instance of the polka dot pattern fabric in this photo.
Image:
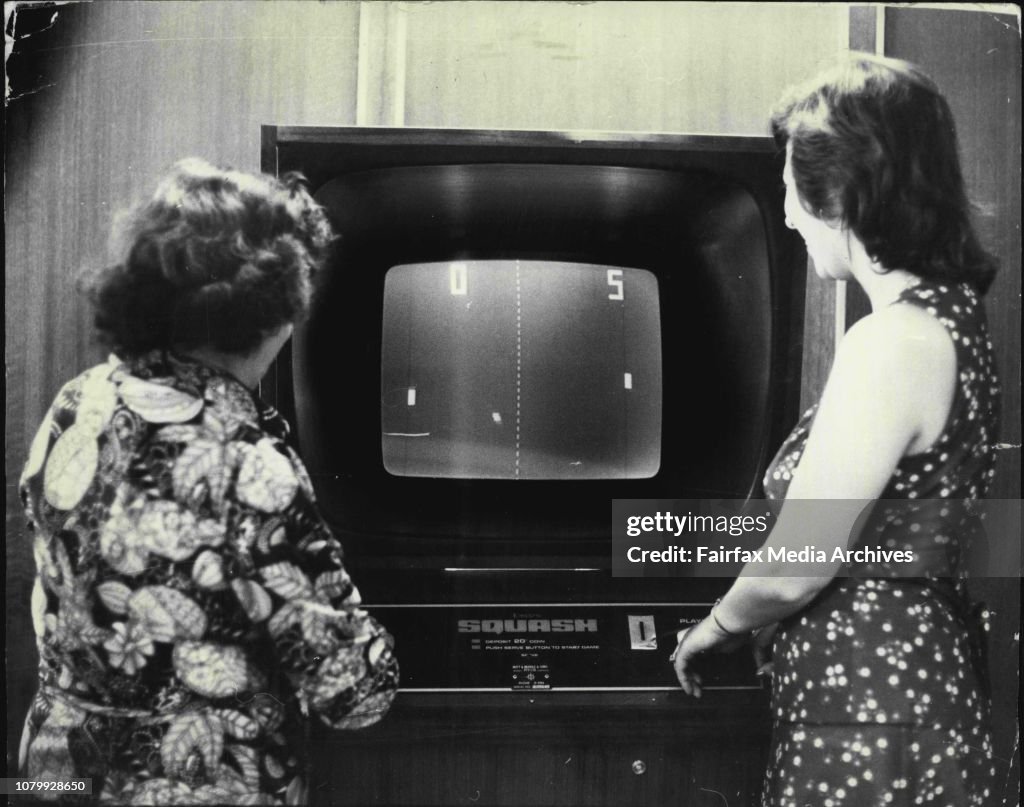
(878, 693)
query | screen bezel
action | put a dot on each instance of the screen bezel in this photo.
(486, 515)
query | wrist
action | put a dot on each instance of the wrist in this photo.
(721, 629)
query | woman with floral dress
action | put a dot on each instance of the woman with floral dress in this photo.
(878, 689)
(191, 605)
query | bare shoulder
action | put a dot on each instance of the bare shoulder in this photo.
(894, 374)
(896, 370)
(900, 339)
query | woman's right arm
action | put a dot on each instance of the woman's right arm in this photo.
(891, 370)
(890, 389)
(339, 659)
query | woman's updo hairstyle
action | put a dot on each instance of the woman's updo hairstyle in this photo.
(874, 149)
(217, 258)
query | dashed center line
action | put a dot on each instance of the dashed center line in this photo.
(519, 359)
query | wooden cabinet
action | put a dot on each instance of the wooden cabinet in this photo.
(520, 749)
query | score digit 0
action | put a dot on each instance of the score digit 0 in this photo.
(615, 281)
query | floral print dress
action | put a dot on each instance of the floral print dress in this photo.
(191, 605)
(879, 687)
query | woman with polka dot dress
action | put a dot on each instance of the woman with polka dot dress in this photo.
(879, 687)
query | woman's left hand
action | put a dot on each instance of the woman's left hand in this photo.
(694, 641)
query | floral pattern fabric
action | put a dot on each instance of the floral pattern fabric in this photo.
(191, 606)
(878, 691)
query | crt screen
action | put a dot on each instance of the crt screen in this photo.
(509, 369)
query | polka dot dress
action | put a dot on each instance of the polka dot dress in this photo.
(878, 693)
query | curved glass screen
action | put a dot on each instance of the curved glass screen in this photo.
(518, 369)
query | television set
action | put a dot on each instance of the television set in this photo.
(516, 328)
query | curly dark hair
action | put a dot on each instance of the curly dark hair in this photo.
(874, 148)
(217, 258)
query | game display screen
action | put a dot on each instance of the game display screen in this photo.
(521, 370)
